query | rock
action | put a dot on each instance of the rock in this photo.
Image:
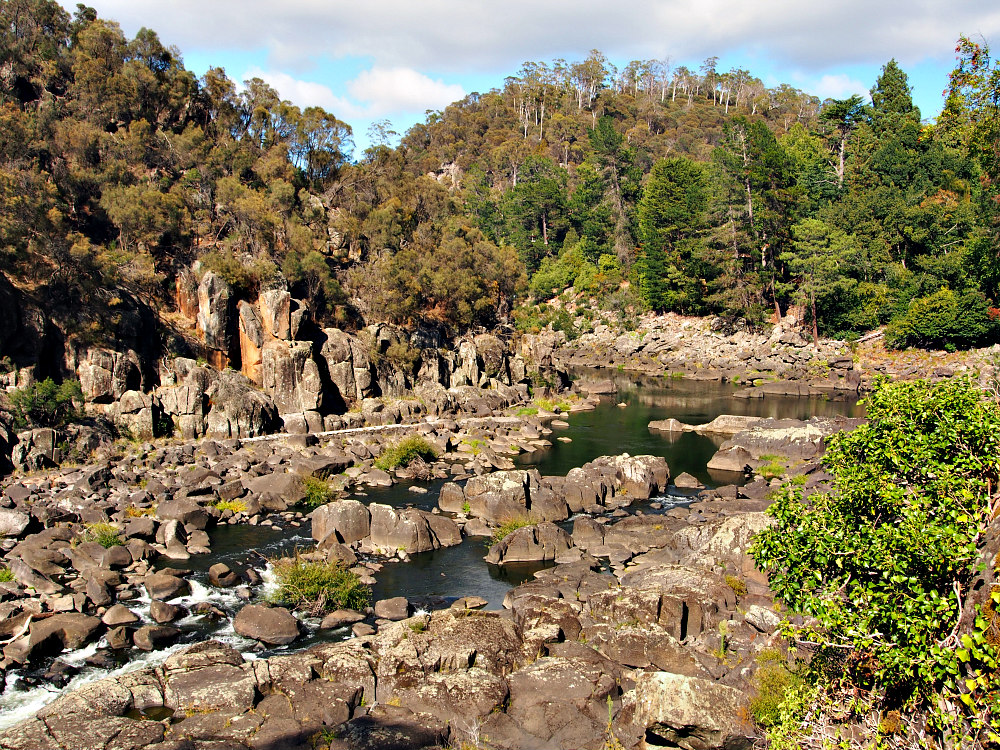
(397, 608)
(214, 311)
(238, 409)
(153, 637)
(410, 530)
(451, 499)
(387, 727)
(221, 576)
(285, 486)
(275, 626)
(162, 613)
(68, 631)
(119, 614)
(537, 543)
(348, 520)
(13, 522)
(685, 481)
(164, 586)
(340, 618)
(691, 713)
(794, 440)
(185, 511)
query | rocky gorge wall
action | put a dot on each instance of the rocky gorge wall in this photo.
(251, 367)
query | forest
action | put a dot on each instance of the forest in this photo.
(651, 187)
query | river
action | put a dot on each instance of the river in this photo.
(434, 579)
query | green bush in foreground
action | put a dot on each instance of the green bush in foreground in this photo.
(317, 586)
(405, 451)
(881, 559)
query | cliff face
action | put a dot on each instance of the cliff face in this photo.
(223, 365)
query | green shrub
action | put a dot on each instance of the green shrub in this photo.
(771, 470)
(317, 586)
(944, 320)
(105, 534)
(773, 681)
(404, 452)
(511, 525)
(6, 574)
(46, 404)
(879, 561)
(318, 492)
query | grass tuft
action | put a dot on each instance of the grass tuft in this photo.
(318, 492)
(105, 534)
(6, 574)
(317, 586)
(404, 452)
(236, 506)
(511, 525)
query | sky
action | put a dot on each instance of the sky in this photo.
(396, 59)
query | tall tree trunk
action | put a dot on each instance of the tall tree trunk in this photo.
(812, 300)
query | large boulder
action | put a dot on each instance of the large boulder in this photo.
(214, 297)
(291, 377)
(275, 626)
(692, 713)
(238, 409)
(794, 440)
(410, 530)
(538, 543)
(347, 521)
(106, 374)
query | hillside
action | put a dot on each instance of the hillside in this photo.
(149, 214)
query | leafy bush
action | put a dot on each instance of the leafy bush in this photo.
(944, 320)
(404, 452)
(317, 586)
(881, 559)
(46, 404)
(318, 492)
(105, 534)
(511, 525)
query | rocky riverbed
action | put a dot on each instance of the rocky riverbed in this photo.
(646, 625)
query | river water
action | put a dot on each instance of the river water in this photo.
(434, 579)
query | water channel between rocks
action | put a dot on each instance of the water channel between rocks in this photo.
(434, 579)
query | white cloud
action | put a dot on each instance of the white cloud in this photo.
(306, 93)
(834, 86)
(480, 35)
(387, 90)
(373, 93)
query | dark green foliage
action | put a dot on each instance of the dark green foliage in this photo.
(316, 586)
(945, 320)
(46, 404)
(670, 215)
(879, 559)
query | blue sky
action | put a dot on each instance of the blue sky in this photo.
(395, 59)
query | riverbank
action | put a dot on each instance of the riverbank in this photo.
(781, 359)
